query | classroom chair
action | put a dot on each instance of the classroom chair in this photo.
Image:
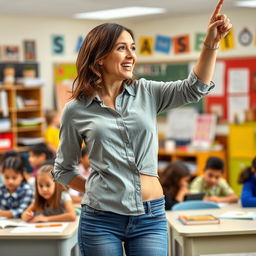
(194, 205)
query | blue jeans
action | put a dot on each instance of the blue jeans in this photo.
(102, 233)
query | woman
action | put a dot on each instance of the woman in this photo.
(116, 117)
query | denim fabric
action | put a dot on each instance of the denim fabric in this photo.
(101, 233)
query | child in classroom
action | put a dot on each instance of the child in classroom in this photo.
(5, 155)
(51, 203)
(53, 129)
(174, 180)
(15, 194)
(39, 154)
(248, 179)
(85, 171)
(211, 183)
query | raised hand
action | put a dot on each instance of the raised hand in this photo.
(218, 27)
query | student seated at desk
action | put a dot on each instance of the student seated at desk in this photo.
(211, 183)
(6, 154)
(15, 193)
(39, 154)
(248, 179)
(174, 180)
(52, 202)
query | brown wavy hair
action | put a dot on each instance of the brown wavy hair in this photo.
(98, 43)
(171, 176)
(247, 172)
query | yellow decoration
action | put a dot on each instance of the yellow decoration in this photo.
(228, 42)
(146, 46)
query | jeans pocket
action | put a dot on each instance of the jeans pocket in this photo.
(158, 212)
(89, 211)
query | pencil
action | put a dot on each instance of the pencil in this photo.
(48, 225)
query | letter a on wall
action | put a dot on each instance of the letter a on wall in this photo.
(228, 42)
(181, 44)
(58, 45)
(146, 45)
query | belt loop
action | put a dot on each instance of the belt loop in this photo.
(149, 208)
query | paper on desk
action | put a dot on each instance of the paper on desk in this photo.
(34, 229)
(231, 254)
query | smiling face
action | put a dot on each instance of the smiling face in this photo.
(12, 179)
(120, 62)
(45, 185)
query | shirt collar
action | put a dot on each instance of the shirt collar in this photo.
(128, 88)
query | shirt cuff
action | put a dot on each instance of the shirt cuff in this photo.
(62, 176)
(201, 86)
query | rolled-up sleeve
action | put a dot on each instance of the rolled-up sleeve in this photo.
(69, 150)
(173, 94)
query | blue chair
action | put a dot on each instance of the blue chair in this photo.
(194, 205)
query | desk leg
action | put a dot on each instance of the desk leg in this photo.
(176, 243)
(66, 247)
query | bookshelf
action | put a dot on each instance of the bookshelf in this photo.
(22, 103)
(197, 157)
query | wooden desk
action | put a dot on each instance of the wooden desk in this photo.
(199, 157)
(40, 244)
(230, 236)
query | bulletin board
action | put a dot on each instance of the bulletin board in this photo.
(166, 72)
(64, 75)
(238, 84)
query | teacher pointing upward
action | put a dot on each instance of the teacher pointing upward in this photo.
(116, 117)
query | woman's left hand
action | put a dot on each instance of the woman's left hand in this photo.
(219, 26)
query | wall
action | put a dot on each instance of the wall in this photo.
(177, 26)
(15, 29)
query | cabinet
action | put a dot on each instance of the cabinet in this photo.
(242, 149)
(22, 103)
(198, 157)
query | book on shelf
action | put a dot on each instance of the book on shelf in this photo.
(198, 219)
(29, 121)
(30, 81)
(240, 215)
(30, 141)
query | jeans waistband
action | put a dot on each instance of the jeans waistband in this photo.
(148, 205)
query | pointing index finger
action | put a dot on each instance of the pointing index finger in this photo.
(218, 8)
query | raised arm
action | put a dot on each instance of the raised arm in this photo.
(218, 28)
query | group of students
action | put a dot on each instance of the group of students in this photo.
(177, 184)
(34, 196)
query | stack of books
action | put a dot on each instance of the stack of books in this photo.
(198, 219)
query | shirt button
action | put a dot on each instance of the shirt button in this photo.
(138, 188)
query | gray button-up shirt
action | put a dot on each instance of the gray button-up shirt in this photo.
(122, 143)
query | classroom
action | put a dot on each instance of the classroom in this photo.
(131, 124)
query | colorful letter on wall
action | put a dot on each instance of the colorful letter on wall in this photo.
(181, 44)
(79, 43)
(228, 42)
(146, 46)
(58, 45)
(199, 39)
(163, 44)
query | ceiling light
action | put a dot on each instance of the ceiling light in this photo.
(251, 4)
(119, 13)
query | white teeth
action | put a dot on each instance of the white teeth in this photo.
(126, 65)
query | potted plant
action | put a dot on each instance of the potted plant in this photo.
(29, 71)
(9, 74)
